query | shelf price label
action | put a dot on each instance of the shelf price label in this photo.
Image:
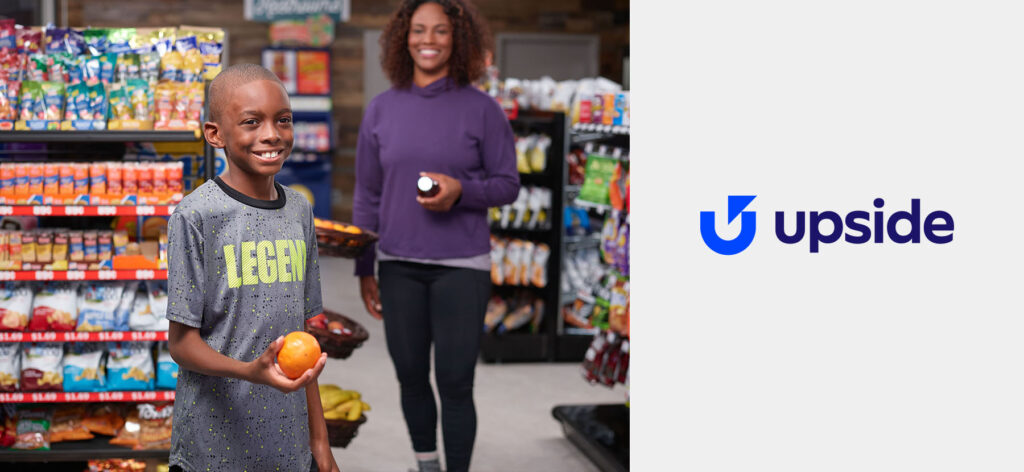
(77, 397)
(7, 275)
(74, 210)
(144, 275)
(42, 337)
(44, 275)
(75, 275)
(42, 210)
(43, 397)
(107, 275)
(12, 397)
(6, 210)
(145, 210)
(142, 396)
(105, 210)
(74, 336)
(110, 336)
(11, 337)
(111, 396)
(143, 335)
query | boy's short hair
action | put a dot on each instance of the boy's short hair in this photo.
(231, 78)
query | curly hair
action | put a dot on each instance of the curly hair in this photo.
(471, 38)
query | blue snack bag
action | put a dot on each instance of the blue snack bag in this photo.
(130, 366)
(84, 368)
(97, 306)
(166, 368)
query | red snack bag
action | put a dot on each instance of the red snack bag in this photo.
(41, 367)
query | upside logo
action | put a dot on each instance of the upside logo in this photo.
(748, 227)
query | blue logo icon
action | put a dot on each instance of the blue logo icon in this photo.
(748, 226)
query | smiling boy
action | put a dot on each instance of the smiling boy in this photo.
(242, 273)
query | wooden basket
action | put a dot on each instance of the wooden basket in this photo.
(341, 432)
(339, 346)
(334, 243)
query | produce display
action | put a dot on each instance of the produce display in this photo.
(340, 404)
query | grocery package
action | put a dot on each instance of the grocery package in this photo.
(54, 308)
(15, 306)
(497, 308)
(98, 306)
(531, 210)
(84, 369)
(166, 368)
(8, 426)
(41, 367)
(117, 465)
(33, 430)
(130, 366)
(155, 421)
(519, 262)
(510, 314)
(10, 367)
(105, 419)
(128, 433)
(68, 424)
(150, 309)
(498, 247)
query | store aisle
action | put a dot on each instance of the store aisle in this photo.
(515, 432)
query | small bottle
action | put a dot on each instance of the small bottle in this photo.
(427, 187)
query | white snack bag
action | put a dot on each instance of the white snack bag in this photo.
(15, 306)
(10, 367)
(525, 259)
(539, 268)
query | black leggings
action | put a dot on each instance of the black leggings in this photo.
(444, 305)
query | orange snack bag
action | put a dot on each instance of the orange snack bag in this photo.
(81, 178)
(129, 177)
(114, 178)
(21, 179)
(159, 178)
(35, 179)
(67, 179)
(145, 175)
(51, 179)
(174, 176)
(7, 179)
(98, 178)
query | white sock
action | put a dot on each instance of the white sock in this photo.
(427, 456)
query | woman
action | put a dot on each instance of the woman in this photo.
(433, 251)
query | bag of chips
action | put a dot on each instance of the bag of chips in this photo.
(54, 308)
(10, 366)
(128, 434)
(98, 303)
(33, 429)
(155, 425)
(130, 366)
(166, 368)
(8, 426)
(41, 367)
(150, 310)
(15, 306)
(68, 425)
(83, 368)
(105, 419)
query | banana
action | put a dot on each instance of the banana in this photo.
(345, 407)
(355, 412)
(366, 406)
(331, 415)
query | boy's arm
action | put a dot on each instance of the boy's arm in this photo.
(192, 353)
(318, 440)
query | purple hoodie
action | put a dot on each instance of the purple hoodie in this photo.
(458, 131)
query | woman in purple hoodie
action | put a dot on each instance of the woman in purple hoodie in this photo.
(433, 254)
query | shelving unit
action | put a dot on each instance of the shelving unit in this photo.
(86, 210)
(79, 451)
(79, 336)
(86, 397)
(531, 347)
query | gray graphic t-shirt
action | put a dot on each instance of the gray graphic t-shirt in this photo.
(243, 271)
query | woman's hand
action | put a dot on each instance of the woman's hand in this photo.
(450, 190)
(371, 295)
(264, 370)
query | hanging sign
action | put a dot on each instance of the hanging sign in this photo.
(272, 10)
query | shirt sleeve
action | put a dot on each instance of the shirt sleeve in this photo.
(500, 185)
(186, 274)
(368, 188)
(313, 297)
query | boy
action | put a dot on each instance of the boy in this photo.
(242, 273)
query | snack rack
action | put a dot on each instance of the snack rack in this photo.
(88, 145)
(517, 346)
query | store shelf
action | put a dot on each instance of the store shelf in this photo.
(601, 432)
(76, 275)
(80, 336)
(573, 347)
(80, 451)
(86, 210)
(108, 136)
(601, 209)
(515, 347)
(596, 128)
(83, 397)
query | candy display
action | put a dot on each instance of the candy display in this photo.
(96, 183)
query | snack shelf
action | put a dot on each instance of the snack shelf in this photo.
(601, 432)
(86, 210)
(80, 336)
(84, 397)
(106, 136)
(78, 275)
(596, 128)
(81, 451)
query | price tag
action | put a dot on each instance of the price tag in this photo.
(107, 275)
(75, 275)
(77, 397)
(142, 335)
(42, 210)
(106, 210)
(74, 210)
(74, 336)
(11, 337)
(144, 275)
(42, 337)
(43, 397)
(110, 335)
(7, 275)
(6, 210)
(44, 275)
(145, 210)
(111, 396)
(12, 397)
(142, 396)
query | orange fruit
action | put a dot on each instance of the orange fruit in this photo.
(298, 354)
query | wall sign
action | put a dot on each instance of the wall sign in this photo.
(271, 10)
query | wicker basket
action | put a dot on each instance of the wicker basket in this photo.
(341, 432)
(333, 243)
(339, 346)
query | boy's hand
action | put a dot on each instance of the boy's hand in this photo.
(264, 370)
(324, 458)
(450, 190)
